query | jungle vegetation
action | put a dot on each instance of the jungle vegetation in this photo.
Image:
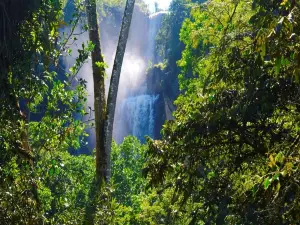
(230, 156)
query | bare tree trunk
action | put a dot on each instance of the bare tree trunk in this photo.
(104, 119)
(102, 158)
(100, 109)
(115, 77)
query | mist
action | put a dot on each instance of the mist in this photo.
(134, 100)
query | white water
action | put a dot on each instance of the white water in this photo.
(136, 116)
(135, 106)
(162, 4)
(155, 21)
(135, 112)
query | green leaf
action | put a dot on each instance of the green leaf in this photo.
(277, 65)
(51, 171)
(276, 177)
(279, 157)
(267, 183)
(211, 175)
(101, 65)
(69, 51)
(278, 187)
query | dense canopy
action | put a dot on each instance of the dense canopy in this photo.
(230, 156)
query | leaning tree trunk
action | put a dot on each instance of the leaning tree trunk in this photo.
(99, 92)
(115, 77)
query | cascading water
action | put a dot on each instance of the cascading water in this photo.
(135, 114)
(155, 21)
(138, 115)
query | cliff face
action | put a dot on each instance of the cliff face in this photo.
(164, 105)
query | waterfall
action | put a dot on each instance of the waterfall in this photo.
(155, 21)
(136, 108)
(135, 113)
(137, 116)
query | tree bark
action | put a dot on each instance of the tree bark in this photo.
(104, 119)
(115, 78)
(102, 158)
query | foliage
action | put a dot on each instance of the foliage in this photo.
(115, 8)
(231, 155)
(127, 163)
(42, 107)
(131, 203)
(40, 122)
(169, 45)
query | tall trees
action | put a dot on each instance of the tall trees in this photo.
(105, 118)
(115, 78)
(231, 156)
(99, 91)
(30, 48)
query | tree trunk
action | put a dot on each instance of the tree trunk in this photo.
(102, 158)
(115, 77)
(104, 119)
